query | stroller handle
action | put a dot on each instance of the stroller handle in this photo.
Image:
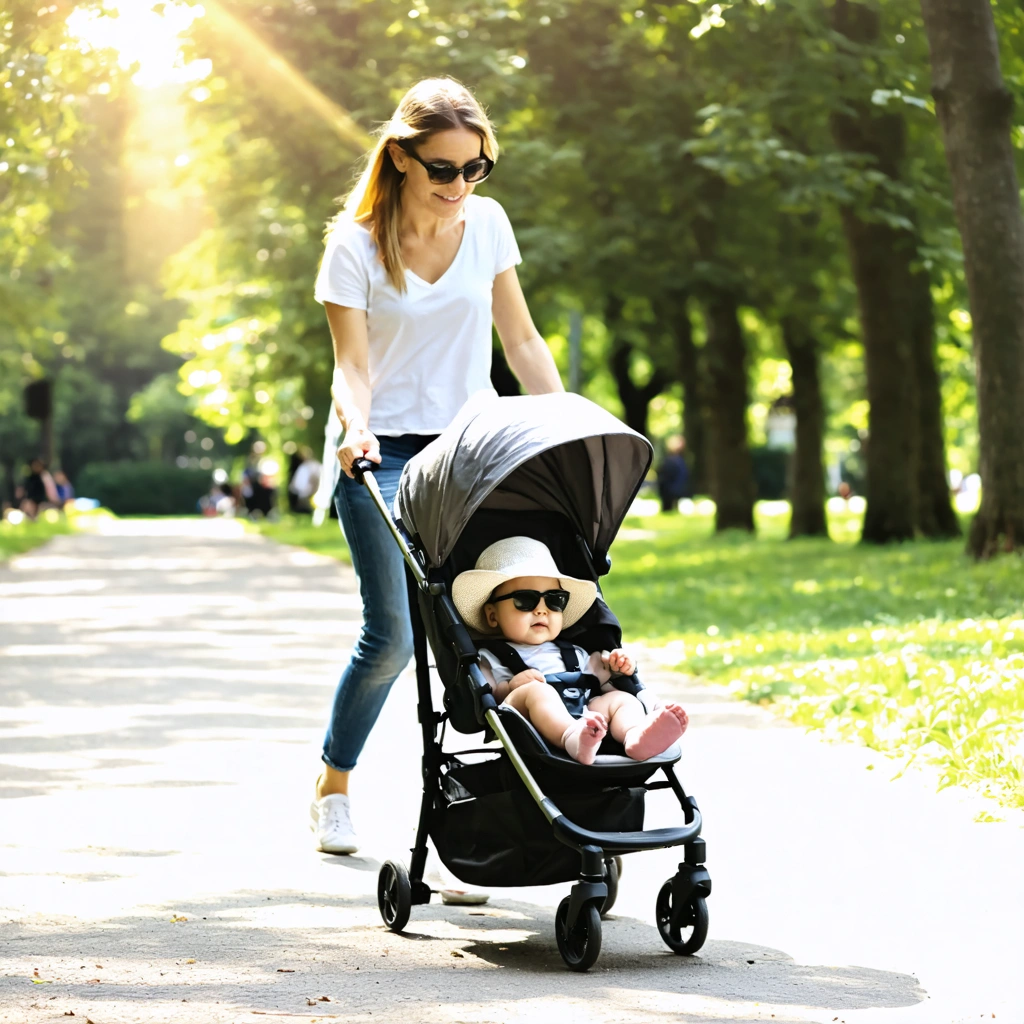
(362, 470)
(362, 466)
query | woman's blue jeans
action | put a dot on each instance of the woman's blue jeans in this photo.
(384, 646)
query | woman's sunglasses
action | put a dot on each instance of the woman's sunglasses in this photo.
(444, 174)
(527, 600)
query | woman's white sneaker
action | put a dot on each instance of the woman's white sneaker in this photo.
(332, 822)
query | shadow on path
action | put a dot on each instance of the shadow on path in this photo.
(271, 951)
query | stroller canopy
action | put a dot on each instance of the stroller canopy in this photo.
(555, 453)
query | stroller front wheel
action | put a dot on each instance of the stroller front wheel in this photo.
(687, 932)
(612, 870)
(581, 946)
(394, 895)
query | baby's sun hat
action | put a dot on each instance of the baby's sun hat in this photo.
(506, 560)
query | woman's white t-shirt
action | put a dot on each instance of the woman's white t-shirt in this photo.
(429, 347)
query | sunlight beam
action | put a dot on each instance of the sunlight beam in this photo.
(261, 54)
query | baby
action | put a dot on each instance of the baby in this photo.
(517, 594)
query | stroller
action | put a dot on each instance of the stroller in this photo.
(561, 470)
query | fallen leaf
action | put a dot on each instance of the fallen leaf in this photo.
(310, 1002)
(190, 961)
(458, 953)
(41, 981)
(93, 981)
(178, 919)
(285, 970)
(100, 966)
(324, 999)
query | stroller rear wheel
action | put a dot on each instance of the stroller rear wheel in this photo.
(689, 929)
(581, 946)
(394, 895)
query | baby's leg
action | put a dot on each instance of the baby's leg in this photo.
(578, 737)
(641, 734)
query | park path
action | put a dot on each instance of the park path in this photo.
(163, 687)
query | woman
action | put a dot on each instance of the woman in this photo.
(415, 270)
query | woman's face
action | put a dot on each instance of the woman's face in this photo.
(457, 147)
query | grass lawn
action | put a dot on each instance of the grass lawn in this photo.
(18, 538)
(299, 530)
(912, 649)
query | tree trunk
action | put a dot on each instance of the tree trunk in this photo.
(881, 257)
(636, 399)
(691, 373)
(808, 487)
(732, 473)
(974, 108)
(935, 514)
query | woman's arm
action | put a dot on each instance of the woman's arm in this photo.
(350, 386)
(526, 351)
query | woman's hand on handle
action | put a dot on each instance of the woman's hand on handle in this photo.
(359, 443)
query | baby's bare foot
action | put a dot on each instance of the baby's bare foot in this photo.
(657, 732)
(584, 736)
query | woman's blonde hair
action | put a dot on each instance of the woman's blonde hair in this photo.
(431, 105)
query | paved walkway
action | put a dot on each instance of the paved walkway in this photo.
(163, 686)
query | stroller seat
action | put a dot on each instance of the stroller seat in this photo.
(607, 769)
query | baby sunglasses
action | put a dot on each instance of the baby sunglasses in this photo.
(444, 174)
(527, 600)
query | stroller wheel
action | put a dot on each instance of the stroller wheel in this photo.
(611, 878)
(687, 934)
(394, 895)
(581, 947)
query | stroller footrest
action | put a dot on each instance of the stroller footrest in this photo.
(625, 842)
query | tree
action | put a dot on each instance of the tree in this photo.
(906, 473)
(43, 78)
(974, 108)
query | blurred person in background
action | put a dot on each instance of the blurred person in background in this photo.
(65, 492)
(37, 491)
(257, 486)
(673, 474)
(295, 460)
(304, 482)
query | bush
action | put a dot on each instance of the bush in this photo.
(143, 488)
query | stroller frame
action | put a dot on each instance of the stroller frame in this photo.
(681, 910)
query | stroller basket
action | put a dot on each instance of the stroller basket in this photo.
(564, 471)
(485, 824)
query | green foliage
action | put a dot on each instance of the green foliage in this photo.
(163, 415)
(77, 303)
(617, 123)
(913, 650)
(144, 488)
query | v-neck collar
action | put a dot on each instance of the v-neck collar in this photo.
(466, 221)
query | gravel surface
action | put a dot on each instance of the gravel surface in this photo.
(163, 690)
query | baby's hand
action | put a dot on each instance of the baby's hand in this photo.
(530, 675)
(619, 662)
